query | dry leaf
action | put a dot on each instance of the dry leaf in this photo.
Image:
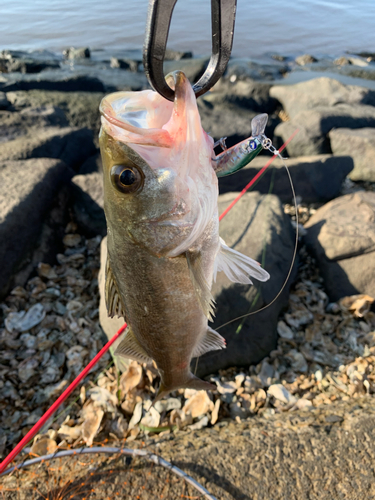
(215, 412)
(131, 378)
(359, 305)
(199, 404)
(180, 418)
(151, 419)
(44, 446)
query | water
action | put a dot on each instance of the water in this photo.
(270, 26)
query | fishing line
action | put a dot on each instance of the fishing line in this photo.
(156, 459)
(293, 258)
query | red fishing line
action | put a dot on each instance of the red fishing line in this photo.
(33, 431)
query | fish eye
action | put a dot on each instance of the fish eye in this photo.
(127, 178)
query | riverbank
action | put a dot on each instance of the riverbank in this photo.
(314, 349)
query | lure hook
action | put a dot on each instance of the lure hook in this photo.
(223, 13)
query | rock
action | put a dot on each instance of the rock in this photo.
(264, 232)
(124, 64)
(305, 59)
(229, 120)
(91, 165)
(284, 330)
(29, 120)
(151, 419)
(4, 103)
(370, 56)
(319, 92)
(79, 109)
(314, 125)
(342, 61)
(244, 69)
(356, 71)
(71, 145)
(74, 78)
(77, 53)
(341, 236)
(27, 65)
(167, 405)
(176, 55)
(281, 393)
(23, 321)
(243, 93)
(298, 362)
(59, 79)
(32, 205)
(193, 68)
(360, 145)
(315, 178)
(88, 203)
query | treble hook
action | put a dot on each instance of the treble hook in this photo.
(223, 13)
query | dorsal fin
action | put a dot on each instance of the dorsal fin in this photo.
(202, 290)
(112, 297)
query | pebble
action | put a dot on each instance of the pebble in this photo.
(51, 331)
(284, 330)
(279, 392)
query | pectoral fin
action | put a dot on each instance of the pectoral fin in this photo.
(238, 267)
(212, 341)
(130, 348)
(206, 300)
(112, 297)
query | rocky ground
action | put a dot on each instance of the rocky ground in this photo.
(295, 381)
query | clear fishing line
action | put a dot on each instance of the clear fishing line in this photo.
(293, 258)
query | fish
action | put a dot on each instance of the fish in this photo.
(163, 243)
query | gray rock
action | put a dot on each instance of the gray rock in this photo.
(193, 68)
(71, 145)
(355, 71)
(16, 124)
(80, 109)
(315, 178)
(243, 93)
(177, 55)
(59, 79)
(313, 127)
(4, 103)
(305, 59)
(92, 164)
(341, 236)
(360, 145)
(244, 69)
(88, 203)
(342, 61)
(77, 53)
(319, 92)
(124, 64)
(32, 210)
(262, 231)
(229, 120)
(28, 65)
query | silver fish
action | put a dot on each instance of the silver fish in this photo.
(164, 249)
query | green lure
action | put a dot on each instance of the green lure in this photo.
(233, 159)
